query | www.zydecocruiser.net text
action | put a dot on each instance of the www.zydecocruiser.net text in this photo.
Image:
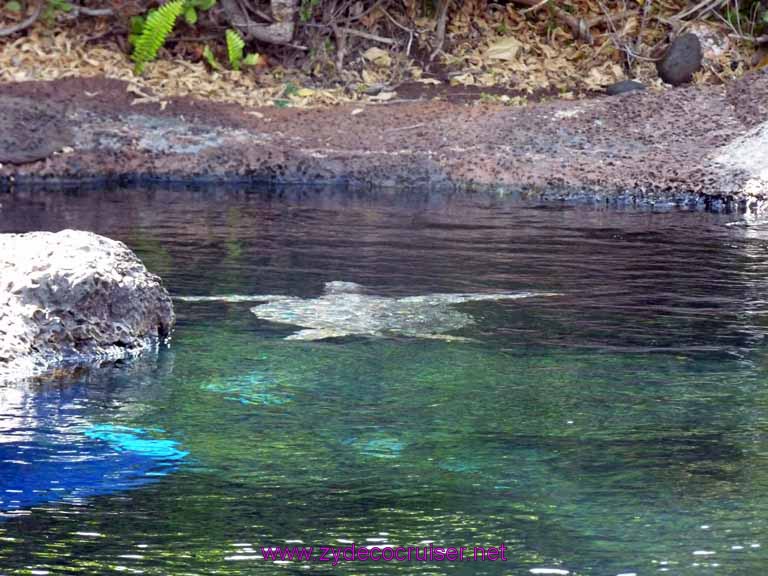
(355, 553)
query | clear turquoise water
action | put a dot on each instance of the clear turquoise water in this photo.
(619, 428)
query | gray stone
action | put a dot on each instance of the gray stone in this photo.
(72, 298)
(623, 87)
(681, 60)
(31, 131)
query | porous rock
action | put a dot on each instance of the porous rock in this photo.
(30, 130)
(681, 60)
(715, 41)
(72, 298)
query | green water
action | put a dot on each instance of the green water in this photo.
(617, 429)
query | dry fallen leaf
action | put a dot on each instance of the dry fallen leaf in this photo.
(378, 57)
(383, 96)
(465, 79)
(506, 49)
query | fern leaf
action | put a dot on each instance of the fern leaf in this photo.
(210, 58)
(158, 26)
(235, 45)
(252, 59)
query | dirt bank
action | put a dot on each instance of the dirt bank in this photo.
(699, 144)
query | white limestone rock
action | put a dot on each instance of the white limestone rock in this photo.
(73, 298)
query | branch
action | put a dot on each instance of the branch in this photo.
(24, 24)
(93, 11)
(411, 33)
(279, 32)
(755, 39)
(352, 32)
(442, 19)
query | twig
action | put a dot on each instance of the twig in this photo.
(369, 36)
(442, 19)
(119, 30)
(246, 7)
(365, 12)
(643, 21)
(353, 32)
(396, 101)
(77, 10)
(755, 39)
(341, 47)
(702, 8)
(579, 28)
(616, 38)
(24, 24)
(401, 128)
(411, 32)
(92, 11)
(533, 8)
(753, 17)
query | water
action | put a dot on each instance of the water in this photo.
(619, 428)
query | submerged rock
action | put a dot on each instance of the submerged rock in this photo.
(681, 60)
(255, 388)
(376, 445)
(73, 298)
(344, 310)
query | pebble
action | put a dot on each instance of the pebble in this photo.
(623, 86)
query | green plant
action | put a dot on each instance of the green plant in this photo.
(235, 45)
(191, 8)
(210, 58)
(52, 8)
(149, 34)
(154, 32)
(306, 8)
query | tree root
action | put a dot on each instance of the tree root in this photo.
(37, 10)
(26, 23)
(442, 20)
(280, 31)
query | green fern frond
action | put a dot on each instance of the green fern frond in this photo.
(158, 26)
(210, 58)
(235, 45)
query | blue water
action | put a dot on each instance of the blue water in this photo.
(51, 451)
(619, 428)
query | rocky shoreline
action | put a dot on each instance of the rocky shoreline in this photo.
(695, 146)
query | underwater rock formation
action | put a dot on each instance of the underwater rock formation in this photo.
(73, 298)
(345, 310)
